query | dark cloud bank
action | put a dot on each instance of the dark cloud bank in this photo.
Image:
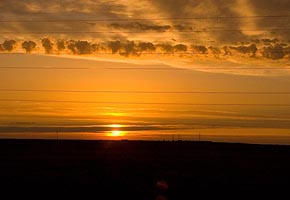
(207, 14)
(266, 48)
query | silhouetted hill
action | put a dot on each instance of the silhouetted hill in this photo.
(131, 169)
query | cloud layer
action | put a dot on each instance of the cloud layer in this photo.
(161, 15)
(204, 29)
(264, 48)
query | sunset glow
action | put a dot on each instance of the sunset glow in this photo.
(146, 99)
(115, 130)
(115, 125)
(116, 133)
(145, 66)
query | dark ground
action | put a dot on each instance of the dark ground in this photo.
(130, 169)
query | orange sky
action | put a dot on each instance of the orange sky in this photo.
(147, 62)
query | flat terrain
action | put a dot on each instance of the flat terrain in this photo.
(131, 169)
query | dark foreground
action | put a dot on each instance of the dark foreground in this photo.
(131, 169)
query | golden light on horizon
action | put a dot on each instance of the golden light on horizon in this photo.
(116, 133)
(115, 114)
(146, 74)
(115, 125)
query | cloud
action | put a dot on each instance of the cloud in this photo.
(66, 9)
(199, 49)
(214, 50)
(84, 47)
(180, 48)
(167, 48)
(137, 26)
(129, 48)
(227, 51)
(123, 9)
(60, 44)
(268, 41)
(273, 7)
(147, 47)
(251, 49)
(208, 8)
(115, 46)
(180, 27)
(80, 47)
(72, 46)
(163, 32)
(8, 45)
(151, 26)
(271, 49)
(275, 52)
(47, 44)
(98, 129)
(28, 46)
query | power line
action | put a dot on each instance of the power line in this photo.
(143, 32)
(147, 68)
(141, 103)
(145, 19)
(152, 110)
(142, 53)
(88, 68)
(147, 92)
(120, 53)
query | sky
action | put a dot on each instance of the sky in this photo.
(147, 69)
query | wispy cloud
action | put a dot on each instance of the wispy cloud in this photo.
(259, 53)
(243, 32)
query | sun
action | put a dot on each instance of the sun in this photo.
(116, 133)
